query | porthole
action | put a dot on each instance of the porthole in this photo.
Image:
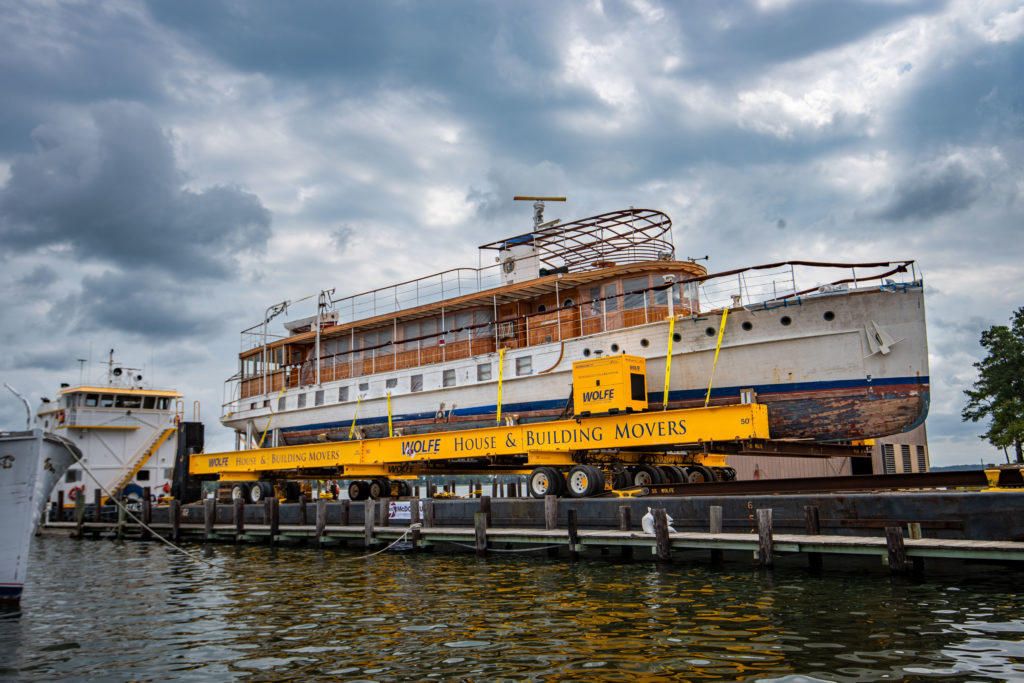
(747, 326)
(829, 316)
(615, 348)
(677, 337)
(710, 332)
(541, 308)
(586, 353)
(644, 343)
(568, 303)
(785, 320)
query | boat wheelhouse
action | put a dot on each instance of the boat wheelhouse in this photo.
(845, 358)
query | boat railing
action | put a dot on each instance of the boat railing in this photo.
(769, 286)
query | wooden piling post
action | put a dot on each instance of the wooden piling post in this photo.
(494, 488)
(625, 524)
(147, 513)
(174, 510)
(369, 512)
(914, 531)
(97, 498)
(302, 509)
(346, 517)
(664, 546)
(764, 537)
(812, 527)
(79, 513)
(209, 515)
(897, 550)
(550, 512)
(120, 521)
(385, 512)
(275, 519)
(715, 527)
(485, 507)
(574, 537)
(480, 526)
(428, 514)
(238, 516)
(414, 520)
(60, 507)
(321, 519)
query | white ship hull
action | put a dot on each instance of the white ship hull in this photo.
(31, 462)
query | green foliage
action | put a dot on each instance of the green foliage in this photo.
(999, 392)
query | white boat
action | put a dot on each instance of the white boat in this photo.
(31, 462)
(837, 351)
(127, 433)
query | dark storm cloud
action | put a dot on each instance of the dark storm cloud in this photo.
(138, 302)
(42, 359)
(111, 191)
(65, 53)
(932, 193)
(37, 279)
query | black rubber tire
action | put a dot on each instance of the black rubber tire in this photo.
(598, 479)
(358, 490)
(726, 473)
(580, 481)
(292, 491)
(404, 489)
(671, 476)
(699, 474)
(239, 491)
(545, 481)
(621, 480)
(380, 488)
(646, 475)
(260, 491)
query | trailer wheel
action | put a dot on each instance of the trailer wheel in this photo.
(581, 481)
(238, 491)
(404, 489)
(673, 475)
(598, 480)
(545, 481)
(646, 475)
(358, 490)
(260, 490)
(380, 488)
(699, 474)
(292, 491)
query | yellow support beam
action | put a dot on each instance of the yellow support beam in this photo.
(547, 442)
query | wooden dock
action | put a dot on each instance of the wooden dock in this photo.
(901, 548)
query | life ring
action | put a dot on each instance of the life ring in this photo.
(74, 491)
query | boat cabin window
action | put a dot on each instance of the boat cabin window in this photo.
(342, 394)
(524, 366)
(483, 372)
(364, 387)
(71, 400)
(163, 403)
(148, 402)
(72, 475)
(568, 303)
(106, 401)
(421, 328)
(124, 401)
(633, 298)
(541, 308)
(416, 383)
(318, 399)
(281, 402)
(302, 401)
(391, 383)
(143, 475)
(448, 378)
(611, 299)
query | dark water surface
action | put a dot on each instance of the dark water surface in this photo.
(95, 610)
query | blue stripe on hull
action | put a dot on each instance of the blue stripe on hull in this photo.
(775, 390)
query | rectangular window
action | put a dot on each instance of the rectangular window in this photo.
(595, 305)
(72, 476)
(416, 383)
(659, 296)
(611, 301)
(143, 475)
(391, 383)
(342, 394)
(448, 378)
(163, 403)
(92, 400)
(302, 401)
(633, 298)
(907, 467)
(364, 387)
(106, 401)
(922, 461)
(318, 399)
(484, 317)
(888, 459)
(148, 403)
(463, 320)
(168, 472)
(266, 403)
(483, 372)
(281, 402)
(524, 366)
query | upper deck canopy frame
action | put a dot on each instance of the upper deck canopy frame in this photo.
(614, 238)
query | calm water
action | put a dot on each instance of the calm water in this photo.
(101, 611)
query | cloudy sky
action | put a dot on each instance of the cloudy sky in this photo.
(170, 169)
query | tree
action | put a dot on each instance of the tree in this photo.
(999, 392)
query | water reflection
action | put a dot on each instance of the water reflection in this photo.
(94, 609)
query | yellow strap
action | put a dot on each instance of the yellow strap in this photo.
(267, 429)
(391, 432)
(721, 331)
(668, 357)
(352, 430)
(501, 365)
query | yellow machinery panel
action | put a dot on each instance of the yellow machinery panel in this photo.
(610, 385)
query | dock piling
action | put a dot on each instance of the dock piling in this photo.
(147, 513)
(715, 527)
(480, 526)
(550, 512)
(897, 549)
(238, 516)
(209, 513)
(574, 537)
(764, 537)
(174, 511)
(302, 509)
(812, 527)
(59, 512)
(428, 514)
(485, 507)
(625, 524)
(664, 546)
(369, 512)
(321, 520)
(414, 521)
